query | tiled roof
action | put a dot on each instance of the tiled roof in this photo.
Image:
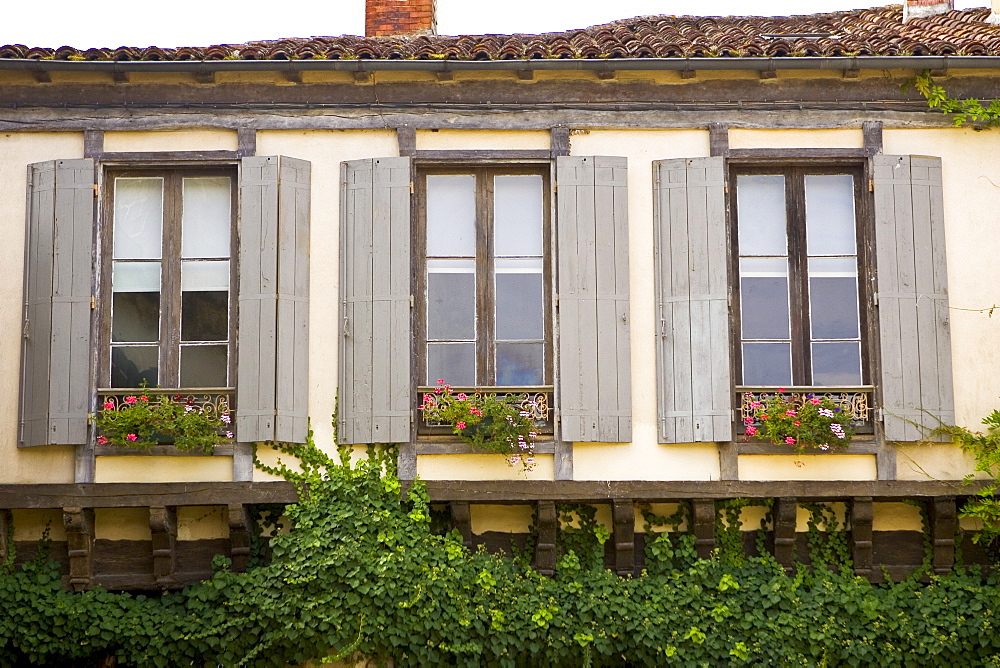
(864, 32)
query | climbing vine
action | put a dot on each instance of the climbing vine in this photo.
(964, 111)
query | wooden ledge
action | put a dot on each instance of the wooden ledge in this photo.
(132, 495)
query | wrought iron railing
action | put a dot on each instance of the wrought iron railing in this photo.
(856, 401)
(212, 401)
(536, 401)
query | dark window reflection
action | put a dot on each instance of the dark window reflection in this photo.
(132, 366)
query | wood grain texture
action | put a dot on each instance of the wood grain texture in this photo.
(943, 516)
(862, 515)
(79, 524)
(546, 523)
(623, 518)
(703, 512)
(240, 536)
(163, 528)
(785, 510)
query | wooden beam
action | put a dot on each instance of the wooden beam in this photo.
(885, 461)
(484, 154)
(559, 141)
(718, 139)
(163, 527)
(546, 523)
(799, 154)
(406, 140)
(139, 495)
(6, 534)
(623, 516)
(562, 460)
(171, 156)
(943, 516)
(246, 142)
(461, 518)
(785, 511)
(862, 514)
(857, 447)
(406, 462)
(93, 143)
(240, 534)
(729, 461)
(872, 131)
(79, 523)
(703, 512)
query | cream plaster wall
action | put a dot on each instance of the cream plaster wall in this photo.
(122, 524)
(17, 151)
(807, 467)
(31, 524)
(202, 522)
(796, 138)
(896, 517)
(934, 461)
(440, 140)
(171, 140)
(153, 468)
(481, 467)
(661, 510)
(505, 519)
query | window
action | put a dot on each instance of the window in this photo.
(168, 270)
(483, 275)
(800, 263)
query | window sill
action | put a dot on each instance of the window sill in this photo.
(443, 447)
(225, 450)
(859, 446)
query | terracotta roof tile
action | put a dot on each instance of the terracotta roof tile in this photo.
(876, 31)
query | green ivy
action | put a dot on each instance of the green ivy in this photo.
(361, 573)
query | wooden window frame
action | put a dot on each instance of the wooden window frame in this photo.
(170, 295)
(794, 174)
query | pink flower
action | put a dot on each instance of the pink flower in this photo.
(440, 381)
(476, 411)
(751, 431)
(225, 418)
(529, 460)
(462, 396)
(130, 400)
(824, 446)
(428, 397)
(102, 440)
(781, 389)
(791, 413)
(131, 437)
(460, 425)
(789, 440)
(814, 401)
(748, 420)
(437, 390)
(532, 434)
(109, 405)
(755, 404)
(229, 434)
(144, 398)
(763, 417)
(798, 424)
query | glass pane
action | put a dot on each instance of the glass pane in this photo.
(517, 211)
(520, 363)
(205, 275)
(138, 218)
(135, 277)
(454, 362)
(519, 295)
(830, 214)
(451, 299)
(451, 216)
(204, 316)
(836, 363)
(204, 366)
(760, 201)
(767, 364)
(135, 316)
(764, 298)
(207, 222)
(131, 366)
(833, 298)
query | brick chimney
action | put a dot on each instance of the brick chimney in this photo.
(916, 8)
(400, 17)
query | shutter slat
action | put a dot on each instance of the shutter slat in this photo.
(694, 379)
(593, 349)
(375, 392)
(58, 273)
(915, 341)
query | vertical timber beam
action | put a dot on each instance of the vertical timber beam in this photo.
(943, 513)
(6, 534)
(406, 139)
(545, 549)
(785, 510)
(559, 141)
(703, 511)
(729, 461)
(163, 527)
(872, 132)
(246, 142)
(461, 518)
(862, 514)
(239, 536)
(718, 139)
(79, 523)
(93, 143)
(623, 515)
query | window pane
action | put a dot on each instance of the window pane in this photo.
(135, 316)
(131, 366)
(830, 214)
(207, 221)
(764, 298)
(837, 363)
(135, 277)
(520, 363)
(454, 362)
(519, 294)
(833, 298)
(138, 218)
(204, 366)
(451, 216)
(205, 316)
(760, 201)
(767, 364)
(517, 211)
(451, 299)
(204, 275)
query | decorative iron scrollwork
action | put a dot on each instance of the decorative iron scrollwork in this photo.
(537, 403)
(855, 402)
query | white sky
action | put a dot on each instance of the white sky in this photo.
(173, 23)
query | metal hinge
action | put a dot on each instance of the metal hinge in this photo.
(95, 190)
(411, 301)
(411, 187)
(871, 185)
(725, 189)
(93, 302)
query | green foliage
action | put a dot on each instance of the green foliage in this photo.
(965, 111)
(140, 422)
(799, 421)
(361, 573)
(485, 420)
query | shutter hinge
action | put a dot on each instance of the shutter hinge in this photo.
(411, 187)
(95, 190)
(725, 189)
(871, 185)
(555, 187)
(875, 298)
(411, 301)
(93, 302)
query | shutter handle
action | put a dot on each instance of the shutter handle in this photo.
(347, 328)
(26, 331)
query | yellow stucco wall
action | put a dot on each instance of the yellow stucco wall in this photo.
(154, 468)
(439, 140)
(175, 140)
(796, 138)
(32, 524)
(202, 522)
(122, 524)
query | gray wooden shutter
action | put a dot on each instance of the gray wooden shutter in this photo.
(912, 296)
(55, 360)
(694, 381)
(375, 394)
(273, 346)
(595, 376)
